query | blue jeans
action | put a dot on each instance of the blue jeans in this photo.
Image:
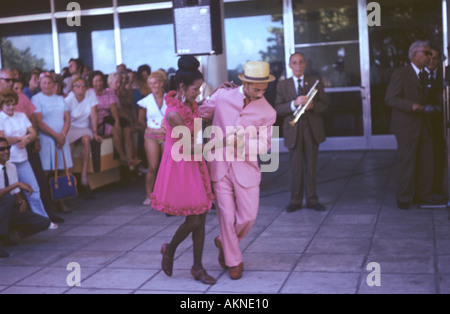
(26, 175)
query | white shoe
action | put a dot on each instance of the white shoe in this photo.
(53, 226)
(147, 202)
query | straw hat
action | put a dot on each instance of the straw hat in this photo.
(257, 72)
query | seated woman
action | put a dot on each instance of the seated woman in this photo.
(19, 132)
(151, 117)
(82, 103)
(108, 120)
(127, 115)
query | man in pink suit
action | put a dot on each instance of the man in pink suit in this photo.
(236, 180)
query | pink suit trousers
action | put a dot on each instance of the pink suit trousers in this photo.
(237, 212)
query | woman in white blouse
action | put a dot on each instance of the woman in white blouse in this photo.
(82, 103)
(151, 117)
(18, 130)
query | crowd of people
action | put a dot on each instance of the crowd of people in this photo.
(44, 116)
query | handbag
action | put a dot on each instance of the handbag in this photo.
(64, 187)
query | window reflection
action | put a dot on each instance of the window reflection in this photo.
(148, 38)
(315, 22)
(344, 114)
(68, 47)
(104, 51)
(253, 31)
(337, 65)
(27, 45)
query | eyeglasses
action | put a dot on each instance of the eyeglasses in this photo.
(79, 85)
(428, 53)
(7, 80)
(6, 148)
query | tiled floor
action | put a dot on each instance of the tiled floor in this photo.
(116, 241)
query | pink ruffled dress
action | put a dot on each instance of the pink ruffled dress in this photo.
(182, 188)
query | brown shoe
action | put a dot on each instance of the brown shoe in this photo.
(236, 271)
(221, 253)
(167, 261)
(203, 276)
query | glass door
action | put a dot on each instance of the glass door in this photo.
(326, 32)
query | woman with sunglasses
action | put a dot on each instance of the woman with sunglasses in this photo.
(18, 130)
(53, 120)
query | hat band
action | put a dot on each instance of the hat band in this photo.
(257, 78)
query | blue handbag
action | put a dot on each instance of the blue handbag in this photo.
(63, 187)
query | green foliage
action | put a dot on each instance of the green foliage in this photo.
(21, 59)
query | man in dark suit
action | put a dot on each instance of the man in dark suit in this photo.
(15, 216)
(406, 94)
(304, 138)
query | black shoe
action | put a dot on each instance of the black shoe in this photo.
(318, 207)
(403, 205)
(3, 254)
(293, 207)
(88, 194)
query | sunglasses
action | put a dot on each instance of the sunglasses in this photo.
(7, 80)
(6, 148)
(428, 53)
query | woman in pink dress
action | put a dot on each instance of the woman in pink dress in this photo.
(183, 188)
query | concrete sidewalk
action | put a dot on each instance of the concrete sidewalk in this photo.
(116, 241)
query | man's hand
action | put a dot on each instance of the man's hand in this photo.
(23, 206)
(302, 100)
(25, 187)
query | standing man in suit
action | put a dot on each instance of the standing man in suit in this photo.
(236, 180)
(406, 95)
(304, 138)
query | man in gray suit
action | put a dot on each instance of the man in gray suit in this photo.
(304, 138)
(406, 94)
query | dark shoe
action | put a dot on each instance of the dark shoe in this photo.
(293, 207)
(55, 218)
(88, 194)
(203, 276)
(403, 205)
(318, 207)
(12, 239)
(236, 271)
(221, 253)
(3, 254)
(167, 261)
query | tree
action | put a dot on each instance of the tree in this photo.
(24, 60)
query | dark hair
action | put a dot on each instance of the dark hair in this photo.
(94, 74)
(80, 64)
(2, 139)
(8, 93)
(188, 71)
(143, 68)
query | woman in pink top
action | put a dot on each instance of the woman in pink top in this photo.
(183, 187)
(109, 122)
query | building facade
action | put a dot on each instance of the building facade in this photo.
(354, 45)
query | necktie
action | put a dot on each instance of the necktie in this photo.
(300, 90)
(6, 177)
(423, 77)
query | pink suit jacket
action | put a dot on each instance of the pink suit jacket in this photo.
(226, 108)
